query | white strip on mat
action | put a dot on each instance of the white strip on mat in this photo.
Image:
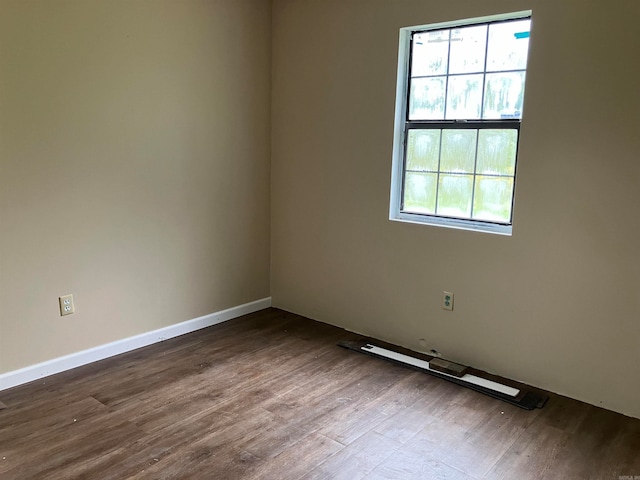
(416, 362)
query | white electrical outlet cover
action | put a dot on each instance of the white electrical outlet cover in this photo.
(66, 305)
(447, 300)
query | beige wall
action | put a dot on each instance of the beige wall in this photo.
(134, 149)
(134, 173)
(556, 305)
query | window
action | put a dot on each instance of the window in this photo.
(458, 113)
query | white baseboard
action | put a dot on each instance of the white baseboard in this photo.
(61, 364)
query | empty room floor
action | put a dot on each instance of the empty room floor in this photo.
(270, 396)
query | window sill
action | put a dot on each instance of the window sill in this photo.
(458, 224)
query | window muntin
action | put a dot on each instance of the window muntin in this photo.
(461, 172)
(464, 95)
(469, 73)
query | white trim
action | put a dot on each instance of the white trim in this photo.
(416, 362)
(471, 21)
(402, 86)
(459, 224)
(61, 364)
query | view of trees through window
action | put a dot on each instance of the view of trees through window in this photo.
(466, 91)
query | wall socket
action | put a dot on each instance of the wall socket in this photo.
(66, 305)
(447, 300)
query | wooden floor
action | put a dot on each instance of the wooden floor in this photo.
(271, 396)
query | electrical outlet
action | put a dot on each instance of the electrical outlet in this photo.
(66, 305)
(447, 300)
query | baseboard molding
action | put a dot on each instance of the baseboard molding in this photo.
(61, 364)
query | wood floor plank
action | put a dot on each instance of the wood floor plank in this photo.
(408, 465)
(356, 460)
(361, 415)
(298, 460)
(20, 425)
(270, 396)
(604, 445)
(166, 447)
(533, 457)
(404, 424)
(74, 445)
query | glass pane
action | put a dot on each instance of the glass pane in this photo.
(492, 199)
(508, 45)
(430, 53)
(497, 152)
(423, 150)
(454, 195)
(503, 95)
(468, 46)
(458, 151)
(426, 101)
(420, 192)
(464, 97)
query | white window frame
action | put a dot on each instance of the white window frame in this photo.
(397, 174)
